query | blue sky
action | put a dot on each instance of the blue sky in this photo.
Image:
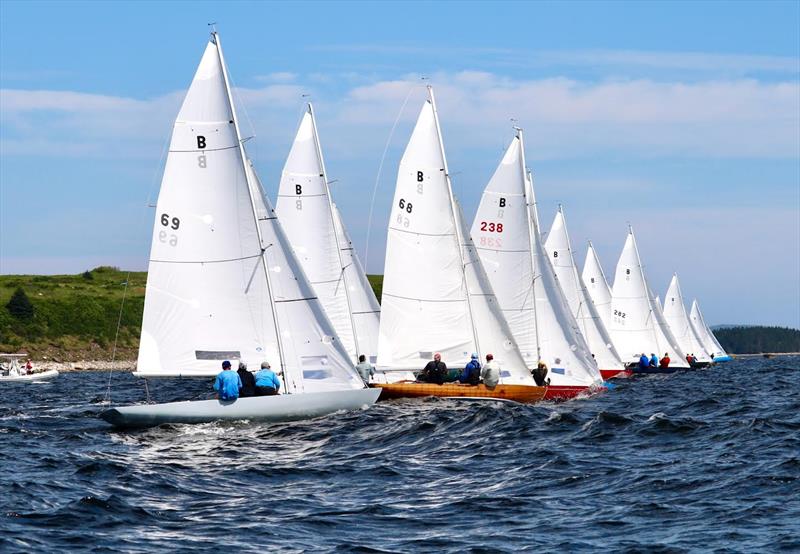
(680, 118)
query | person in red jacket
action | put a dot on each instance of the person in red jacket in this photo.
(664, 363)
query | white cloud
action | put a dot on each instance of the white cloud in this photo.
(565, 118)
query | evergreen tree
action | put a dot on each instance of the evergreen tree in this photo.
(20, 305)
(87, 275)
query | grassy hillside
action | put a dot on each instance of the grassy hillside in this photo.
(75, 316)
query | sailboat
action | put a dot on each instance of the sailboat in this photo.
(637, 324)
(678, 320)
(436, 296)
(321, 243)
(506, 234)
(707, 338)
(583, 309)
(223, 283)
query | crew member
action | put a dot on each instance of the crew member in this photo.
(227, 383)
(490, 374)
(472, 371)
(664, 362)
(248, 381)
(267, 383)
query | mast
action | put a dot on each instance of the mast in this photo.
(533, 227)
(343, 273)
(243, 156)
(456, 222)
(575, 277)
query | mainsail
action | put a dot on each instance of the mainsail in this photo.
(597, 286)
(320, 242)
(638, 325)
(572, 285)
(678, 320)
(222, 281)
(707, 337)
(436, 297)
(506, 233)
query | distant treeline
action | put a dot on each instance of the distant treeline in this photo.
(75, 317)
(758, 339)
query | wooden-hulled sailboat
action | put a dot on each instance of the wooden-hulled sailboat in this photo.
(637, 324)
(678, 320)
(507, 237)
(712, 345)
(321, 244)
(223, 283)
(591, 325)
(436, 296)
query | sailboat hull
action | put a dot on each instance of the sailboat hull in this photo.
(720, 359)
(411, 389)
(284, 407)
(649, 370)
(30, 377)
(615, 373)
(560, 392)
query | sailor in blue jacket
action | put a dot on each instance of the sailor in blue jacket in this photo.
(472, 372)
(227, 383)
(653, 360)
(267, 382)
(644, 361)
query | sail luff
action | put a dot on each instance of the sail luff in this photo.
(335, 234)
(530, 203)
(243, 157)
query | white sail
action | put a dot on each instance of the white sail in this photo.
(597, 286)
(209, 294)
(583, 309)
(637, 323)
(314, 359)
(707, 338)
(678, 320)
(506, 233)
(436, 297)
(319, 240)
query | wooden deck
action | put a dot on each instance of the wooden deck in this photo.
(411, 389)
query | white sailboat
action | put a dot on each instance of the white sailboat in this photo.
(506, 234)
(637, 324)
(320, 241)
(583, 309)
(436, 296)
(597, 286)
(707, 338)
(223, 282)
(679, 323)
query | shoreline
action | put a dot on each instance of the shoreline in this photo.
(84, 365)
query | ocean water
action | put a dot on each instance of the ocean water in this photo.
(704, 460)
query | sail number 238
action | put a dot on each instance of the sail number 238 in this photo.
(491, 227)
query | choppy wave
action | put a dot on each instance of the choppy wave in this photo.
(700, 460)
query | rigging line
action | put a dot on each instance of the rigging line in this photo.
(158, 169)
(380, 169)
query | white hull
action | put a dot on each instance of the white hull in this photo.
(41, 376)
(284, 407)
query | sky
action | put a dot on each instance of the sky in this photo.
(679, 118)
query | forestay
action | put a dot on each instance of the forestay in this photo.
(436, 297)
(316, 233)
(707, 338)
(597, 286)
(678, 320)
(208, 289)
(506, 233)
(583, 309)
(636, 320)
